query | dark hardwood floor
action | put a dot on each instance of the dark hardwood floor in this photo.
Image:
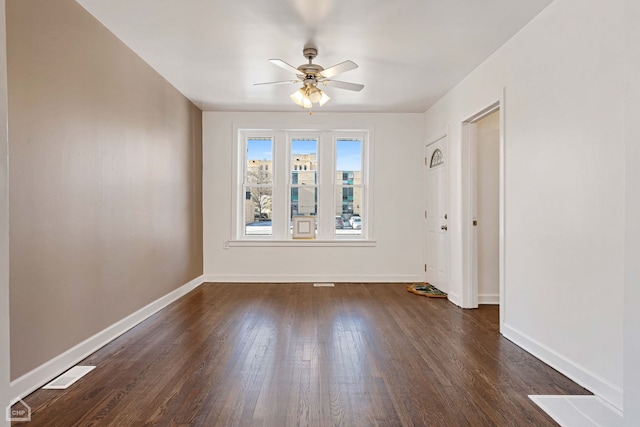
(294, 355)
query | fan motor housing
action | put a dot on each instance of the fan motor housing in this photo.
(310, 69)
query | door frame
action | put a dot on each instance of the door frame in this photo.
(469, 200)
(425, 149)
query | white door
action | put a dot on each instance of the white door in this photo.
(436, 215)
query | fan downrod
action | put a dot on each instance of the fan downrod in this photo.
(310, 70)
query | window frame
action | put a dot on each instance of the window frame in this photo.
(364, 186)
(301, 135)
(243, 170)
(281, 168)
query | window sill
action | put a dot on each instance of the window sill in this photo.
(301, 243)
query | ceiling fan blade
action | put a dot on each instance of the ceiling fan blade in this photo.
(282, 82)
(343, 85)
(280, 63)
(338, 68)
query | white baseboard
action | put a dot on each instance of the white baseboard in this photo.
(493, 299)
(454, 298)
(44, 373)
(598, 386)
(579, 411)
(311, 278)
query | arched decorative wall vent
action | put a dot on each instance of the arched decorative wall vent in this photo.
(436, 159)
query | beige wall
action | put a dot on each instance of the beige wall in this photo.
(105, 181)
(4, 227)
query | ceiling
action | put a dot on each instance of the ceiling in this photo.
(409, 52)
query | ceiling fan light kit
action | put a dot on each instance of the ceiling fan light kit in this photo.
(306, 96)
(310, 75)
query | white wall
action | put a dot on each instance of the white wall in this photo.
(632, 229)
(397, 205)
(488, 204)
(564, 185)
(4, 226)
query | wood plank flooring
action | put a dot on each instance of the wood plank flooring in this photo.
(294, 355)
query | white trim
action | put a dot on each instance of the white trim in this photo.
(585, 378)
(301, 243)
(44, 373)
(502, 209)
(454, 299)
(579, 411)
(470, 297)
(468, 232)
(312, 278)
(281, 159)
(493, 299)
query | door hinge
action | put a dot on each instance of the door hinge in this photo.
(425, 267)
(425, 161)
(425, 214)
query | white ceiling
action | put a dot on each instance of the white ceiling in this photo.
(409, 52)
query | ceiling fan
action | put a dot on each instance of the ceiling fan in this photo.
(311, 75)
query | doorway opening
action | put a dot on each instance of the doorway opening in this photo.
(483, 208)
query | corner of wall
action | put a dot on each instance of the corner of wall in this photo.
(589, 380)
(115, 208)
(4, 225)
(631, 352)
(39, 376)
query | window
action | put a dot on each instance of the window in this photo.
(304, 179)
(348, 188)
(436, 159)
(258, 187)
(288, 173)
